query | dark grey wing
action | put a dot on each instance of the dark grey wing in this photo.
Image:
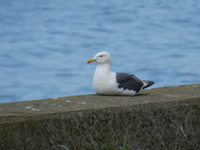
(129, 81)
(148, 83)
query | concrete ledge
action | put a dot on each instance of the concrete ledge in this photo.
(162, 118)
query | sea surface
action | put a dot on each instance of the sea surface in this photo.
(44, 44)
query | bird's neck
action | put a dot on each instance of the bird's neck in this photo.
(103, 67)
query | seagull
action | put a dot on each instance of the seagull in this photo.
(107, 82)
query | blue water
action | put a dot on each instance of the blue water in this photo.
(44, 44)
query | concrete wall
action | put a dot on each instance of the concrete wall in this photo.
(165, 118)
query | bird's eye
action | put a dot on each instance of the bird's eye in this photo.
(101, 56)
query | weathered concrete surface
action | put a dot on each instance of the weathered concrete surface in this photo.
(163, 118)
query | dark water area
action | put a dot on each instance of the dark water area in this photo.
(44, 45)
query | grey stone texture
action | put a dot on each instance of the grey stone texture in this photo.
(166, 118)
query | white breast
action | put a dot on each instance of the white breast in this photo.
(104, 82)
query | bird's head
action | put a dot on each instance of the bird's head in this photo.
(101, 58)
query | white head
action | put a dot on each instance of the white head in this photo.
(101, 58)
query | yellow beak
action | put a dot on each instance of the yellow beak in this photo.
(90, 60)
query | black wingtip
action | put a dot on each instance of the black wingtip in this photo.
(149, 83)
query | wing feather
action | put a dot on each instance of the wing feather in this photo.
(129, 81)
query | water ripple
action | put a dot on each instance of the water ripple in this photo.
(44, 45)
